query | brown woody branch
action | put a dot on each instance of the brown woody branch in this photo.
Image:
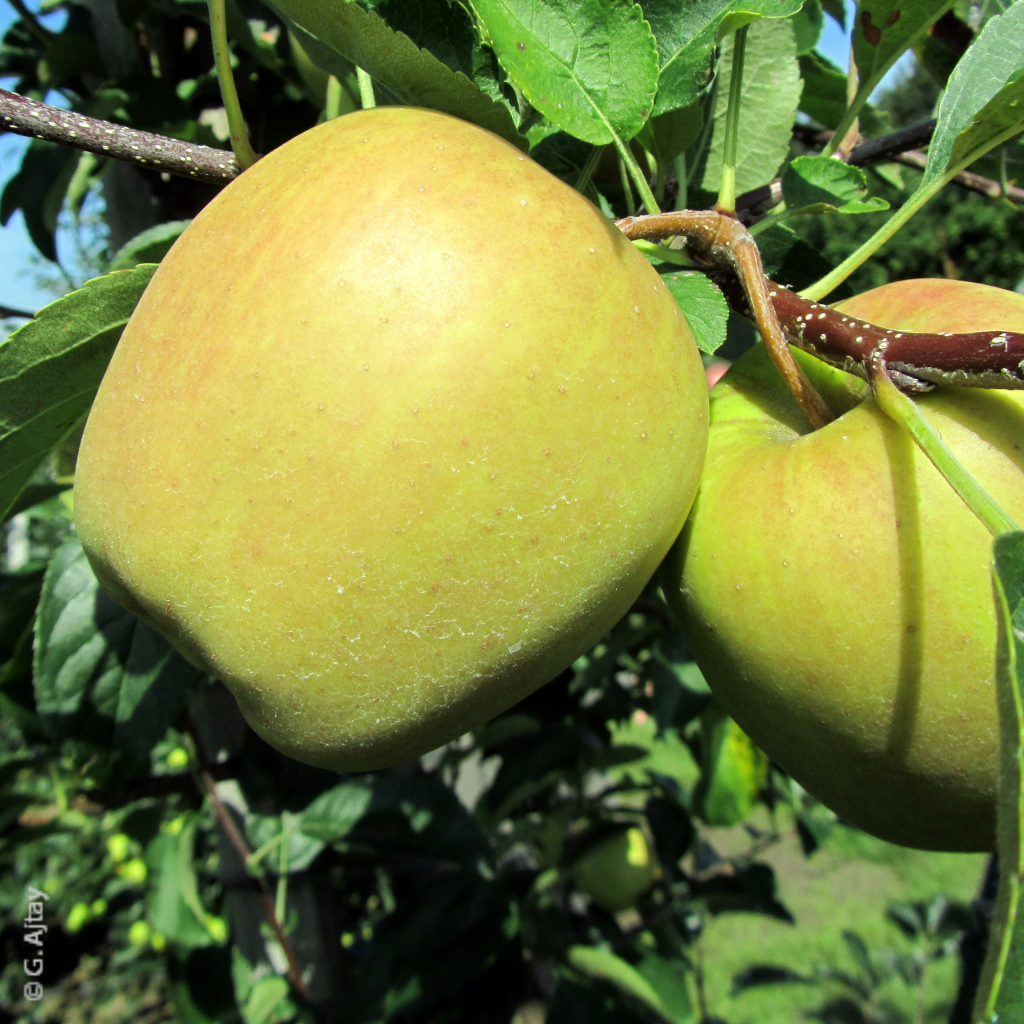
(7, 313)
(873, 151)
(916, 362)
(720, 242)
(23, 116)
(237, 840)
(975, 182)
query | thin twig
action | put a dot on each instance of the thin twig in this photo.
(888, 146)
(237, 840)
(14, 314)
(968, 179)
(23, 116)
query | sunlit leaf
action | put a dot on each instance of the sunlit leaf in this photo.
(1001, 990)
(589, 66)
(412, 75)
(984, 99)
(50, 370)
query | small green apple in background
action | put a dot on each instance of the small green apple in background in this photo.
(401, 426)
(618, 870)
(836, 592)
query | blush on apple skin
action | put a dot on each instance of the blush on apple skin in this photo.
(400, 428)
(837, 593)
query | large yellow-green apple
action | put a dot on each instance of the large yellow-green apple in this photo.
(400, 427)
(836, 592)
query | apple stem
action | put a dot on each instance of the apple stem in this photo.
(727, 192)
(244, 153)
(905, 411)
(717, 241)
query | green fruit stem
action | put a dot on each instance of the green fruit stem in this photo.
(727, 192)
(906, 412)
(366, 96)
(587, 170)
(244, 153)
(638, 177)
(627, 190)
(332, 103)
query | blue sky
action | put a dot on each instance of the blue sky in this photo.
(16, 277)
(17, 288)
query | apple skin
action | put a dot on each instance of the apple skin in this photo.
(618, 870)
(836, 592)
(401, 426)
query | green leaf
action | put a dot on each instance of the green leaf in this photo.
(733, 770)
(589, 66)
(984, 100)
(175, 910)
(770, 97)
(883, 30)
(819, 184)
(703, 305)
(38, 190)
(332, 815)
(412, 75)
(687, 33)
(101, 674)
(837, 8)
(824, 97)
(150, 246)
(269, 996)
(820, 179)
(443, 28)
(668, 978)
(807, 26)
(602, 964)
(1001, 991)
(50, 370)
(301, 849)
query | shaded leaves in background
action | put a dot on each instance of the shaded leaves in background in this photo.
(101, 675)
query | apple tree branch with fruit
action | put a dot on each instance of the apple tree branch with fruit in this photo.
(410, 419)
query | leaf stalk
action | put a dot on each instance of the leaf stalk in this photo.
(240, 145)
(727, 191)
